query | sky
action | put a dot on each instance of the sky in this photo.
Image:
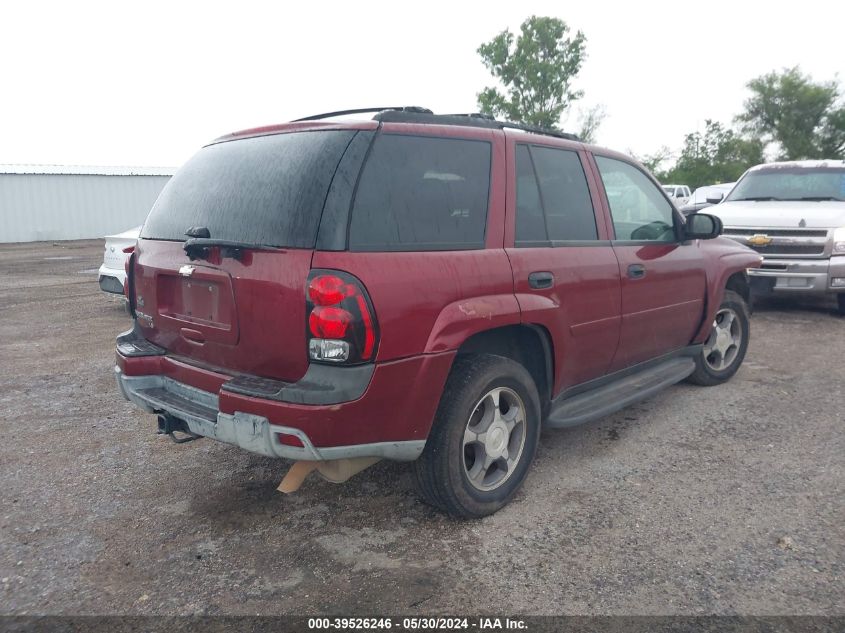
(148, 83)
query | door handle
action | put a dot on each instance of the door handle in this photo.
(636, 271)
(541, 279)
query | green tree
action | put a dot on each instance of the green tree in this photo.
(717, 155)
(804, 119)
(536, 70)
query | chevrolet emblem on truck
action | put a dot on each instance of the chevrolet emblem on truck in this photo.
(754, 240)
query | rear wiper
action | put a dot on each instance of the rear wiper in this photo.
(818, 198)
(199, 246)
(759, 198)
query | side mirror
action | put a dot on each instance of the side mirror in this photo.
(715, 198)
(702, 226)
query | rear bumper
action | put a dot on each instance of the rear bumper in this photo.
(199, 410)
(389, 417)
(799, 275)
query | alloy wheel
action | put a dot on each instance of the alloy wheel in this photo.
(722, 347)
(494, 438)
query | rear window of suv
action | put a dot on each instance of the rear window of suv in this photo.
(420, 193)
(265, 190)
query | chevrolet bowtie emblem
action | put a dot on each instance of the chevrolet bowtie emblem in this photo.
(760, 240)
(187, 270)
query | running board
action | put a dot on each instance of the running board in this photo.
(610, 398)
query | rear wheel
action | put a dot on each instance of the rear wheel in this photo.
(484, 437)
(726, 345)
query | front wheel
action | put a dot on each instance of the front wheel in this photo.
(484, 437)
(840, 299)
(727, 344)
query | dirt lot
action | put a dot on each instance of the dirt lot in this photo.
(726, 500)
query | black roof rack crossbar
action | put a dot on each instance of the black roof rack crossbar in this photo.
(470, 120)
(328, 115)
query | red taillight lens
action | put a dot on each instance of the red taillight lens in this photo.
(129, 249)
(342, 325)
(328, 290)
(369, 330)
(328, 322)
(129, 281)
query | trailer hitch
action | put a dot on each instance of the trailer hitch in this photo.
(168, 425)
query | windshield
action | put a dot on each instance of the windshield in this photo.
(266, 190)
(669, 191)
(782, 183)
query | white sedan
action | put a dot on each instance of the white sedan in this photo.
(112, 273)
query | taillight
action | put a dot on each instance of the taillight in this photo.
(341, 323)
(129, 282)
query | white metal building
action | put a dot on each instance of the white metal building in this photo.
(59, 202)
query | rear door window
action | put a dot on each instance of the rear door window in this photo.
(553, 201)
(530, 221)
(421, 193)
(265, 190)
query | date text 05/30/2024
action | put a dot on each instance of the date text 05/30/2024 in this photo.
(417, 624)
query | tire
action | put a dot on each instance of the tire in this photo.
(724, 351)
(469, 428)
(840, 300)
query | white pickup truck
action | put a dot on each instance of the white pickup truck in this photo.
(794, 215)
(679, 194)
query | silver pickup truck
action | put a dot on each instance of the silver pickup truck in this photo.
(794, 215)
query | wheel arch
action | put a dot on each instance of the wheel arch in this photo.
(727, 277)
(529, 345)
(738, 282)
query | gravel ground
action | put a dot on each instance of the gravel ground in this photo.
(726, 500)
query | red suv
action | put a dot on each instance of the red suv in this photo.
(420, 288)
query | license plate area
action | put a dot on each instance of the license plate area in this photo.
(202, 301)
(198, 302)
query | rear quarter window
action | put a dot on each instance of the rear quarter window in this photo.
(421, 193)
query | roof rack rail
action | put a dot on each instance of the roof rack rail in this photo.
(475, 115)
(396, 115)
(416, 114)
(328, 115)
(534, 129)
